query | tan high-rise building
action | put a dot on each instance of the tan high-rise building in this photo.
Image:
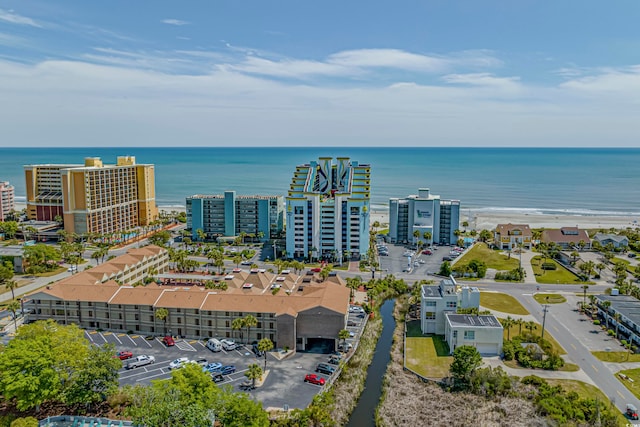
(94, 198)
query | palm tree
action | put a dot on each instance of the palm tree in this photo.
(249, 322)
(253, 373)
(507, 324)
(428, 236)
(592, 299)
(11, 285)
(162, 314)
(519, 322)
(237, 325)
(531, 325)
(584, 295)
(617, 317)
(343, 335)
(265, 345)
(606, 305)
(416, 234)
(237, 260)
(201, 234)
(13, 307)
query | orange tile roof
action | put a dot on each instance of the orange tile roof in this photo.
(503, 229)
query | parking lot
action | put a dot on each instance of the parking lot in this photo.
(397, 263)
(284, 384)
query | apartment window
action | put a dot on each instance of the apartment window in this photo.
(452, 304)
(90, 313)
(430, 315)
(430, 303)
(197, 311)
(270, 325)
(259, 336)
(455, 334)
(197, 322)
(227, 324)
(259, 325)
(271, 337)
(177, 310)
(226, 313)
(469, 335)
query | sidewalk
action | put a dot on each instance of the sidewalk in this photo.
(500, 314)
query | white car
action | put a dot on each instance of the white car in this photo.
(228, 344)
(178, 363)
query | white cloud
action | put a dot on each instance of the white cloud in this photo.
(177, 22)
(388, 58)
(13, 18)
(147, 98)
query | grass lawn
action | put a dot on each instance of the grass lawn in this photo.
(501, 302)
(428, 356)
(559, 275)
(616, 356)
(634, 387)
(52, 272)
(549, 298)
(515, 330)
(492, 258)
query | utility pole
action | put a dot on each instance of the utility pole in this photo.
(545, 309)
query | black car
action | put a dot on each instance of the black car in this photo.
(255, 349)
(351, 323)
(217, 378)
(323, 368)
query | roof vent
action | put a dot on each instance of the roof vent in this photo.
(228, 277)
(247, 286)
(286, 271)
(280, 279)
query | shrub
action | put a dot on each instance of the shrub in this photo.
(610, 332)
(548, 266)
(596, 322)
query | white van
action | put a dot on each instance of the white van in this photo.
(214, 345)
(228, 345)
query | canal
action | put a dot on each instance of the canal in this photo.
(364, 413)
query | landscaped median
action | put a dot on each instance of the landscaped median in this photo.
(631, 380)
(549, 275)
(549, 298)
(502, 302)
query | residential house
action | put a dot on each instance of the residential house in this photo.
(511, 236)
(566, 237)
(618, 241)
(484, 332)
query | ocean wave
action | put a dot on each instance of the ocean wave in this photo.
(547, 211)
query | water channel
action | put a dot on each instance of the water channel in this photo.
(364, 413)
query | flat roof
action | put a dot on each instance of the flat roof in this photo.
(431, 290)
(482, 321)
(626, 305)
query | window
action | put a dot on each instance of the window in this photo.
(259, 325)
(469, 335)
(227, 324)
(270, 325)
(451, 304)
(430, 315)
(179, 320)
(430, 303)
(455, 334)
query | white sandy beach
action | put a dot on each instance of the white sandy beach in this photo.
(489, 220)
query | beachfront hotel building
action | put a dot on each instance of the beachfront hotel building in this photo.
(7, 200)
(327, 210)
(231, 215)
(424, 212)
(293, 311)
(94, 197)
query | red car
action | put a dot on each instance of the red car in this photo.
(124, 355)
(427, 252)
(314, 379)
(316, 270)
(168, 341)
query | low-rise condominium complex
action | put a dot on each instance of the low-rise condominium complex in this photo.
(94, 197)
(232, 215)
(294, 311)
(327, 210)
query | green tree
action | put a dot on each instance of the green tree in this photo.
(162, 314)
(25, 422)
(237, 325)
(253, 373)
(605, 306)
(13, 307)
(428, 236)
(265, 345)
(237, 260)
(507, 324)
(12, 285)
(161, 238)
(343, 335)
(466, 360)
(249, 322)
(445, 269)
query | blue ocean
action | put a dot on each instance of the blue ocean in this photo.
(554, 181)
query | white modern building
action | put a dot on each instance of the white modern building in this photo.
(327, 210)
(627, 310)
(424, 213)
(484, 332)
(438, 315)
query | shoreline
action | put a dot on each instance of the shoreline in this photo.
(489, 218)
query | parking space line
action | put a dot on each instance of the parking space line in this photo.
(144, 340)
(153, 376)
(185, 346)
(88, 335)
(105, 340)
(132, 341)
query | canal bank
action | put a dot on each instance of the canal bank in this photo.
(364, 413)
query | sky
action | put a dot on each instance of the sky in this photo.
(236, 73)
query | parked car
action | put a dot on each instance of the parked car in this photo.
(314, 379)
(427, 252)
(247, 385)
(178, 363)
(168, 341)
(228, 344)
(333, 360)
(446, 258)
(124, 355)
(316, 270)
(202, 362)
(217, 378)
(227, 370)
(631, 255)
(632, 411)
(258, 352)
(141, 360)
(246, 262)
(214, 345)
(383, 253)
(352, 334)
(212, 367)
(351, 323)
(324, 368)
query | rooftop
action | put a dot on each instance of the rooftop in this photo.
(486, 321)
(626, 305)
